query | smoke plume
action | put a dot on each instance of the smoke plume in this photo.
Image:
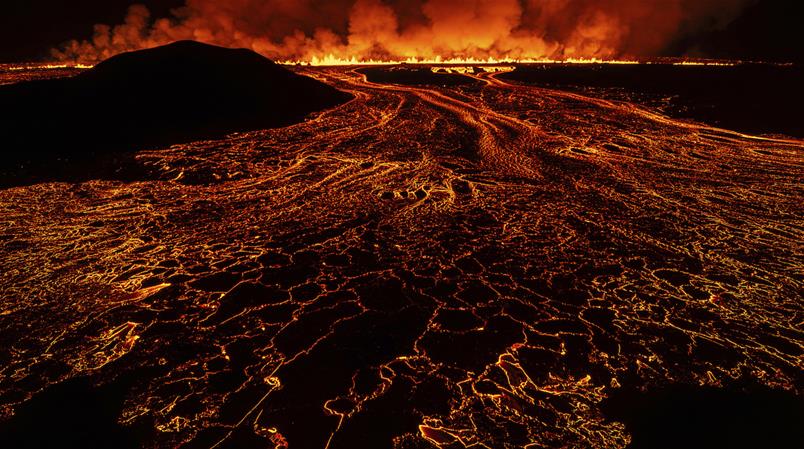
(303, 30)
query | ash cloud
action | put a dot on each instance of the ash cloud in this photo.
(300, 30)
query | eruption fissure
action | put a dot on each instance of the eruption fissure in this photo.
(371, 31)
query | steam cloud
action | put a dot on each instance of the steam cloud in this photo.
(301, 30)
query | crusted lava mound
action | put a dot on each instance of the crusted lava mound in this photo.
(180, 92)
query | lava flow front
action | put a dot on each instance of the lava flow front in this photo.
(479, 265)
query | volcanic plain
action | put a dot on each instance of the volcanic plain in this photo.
(484, 262)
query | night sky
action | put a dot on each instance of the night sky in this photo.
(767, 30)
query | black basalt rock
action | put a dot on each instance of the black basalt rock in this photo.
(176, 93)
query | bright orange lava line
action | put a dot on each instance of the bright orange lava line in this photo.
(331, 60)
(49, 67)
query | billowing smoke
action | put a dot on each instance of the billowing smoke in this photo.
(302, 30)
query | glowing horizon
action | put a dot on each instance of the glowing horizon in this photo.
(437, 31)
(331, 60)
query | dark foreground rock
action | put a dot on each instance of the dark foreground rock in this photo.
(737, 417)
(181, 92)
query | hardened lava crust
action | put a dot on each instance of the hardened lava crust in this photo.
(478, 265)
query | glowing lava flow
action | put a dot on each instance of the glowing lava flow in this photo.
(470, 266)
(14, 73)
(47, 67)
(331, 60)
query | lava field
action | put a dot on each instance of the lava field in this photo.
(486, 264)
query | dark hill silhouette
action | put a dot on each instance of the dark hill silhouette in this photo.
(177, 93)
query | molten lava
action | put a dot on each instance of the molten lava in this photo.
(476, 265)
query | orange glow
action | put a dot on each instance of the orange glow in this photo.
(18, 68)
(332, 60)
(347, 32)
(706, 63)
